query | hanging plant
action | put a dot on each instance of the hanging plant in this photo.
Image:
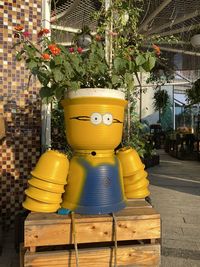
(161, 100)
(193, 94)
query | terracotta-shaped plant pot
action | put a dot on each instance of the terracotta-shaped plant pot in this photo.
(94, 123)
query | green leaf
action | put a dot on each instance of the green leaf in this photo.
(68, 69)
(129, 80)
(43, 77)
(58, 75)
(152, 62)
(140, 59)
(32, 64)
(120, 64)
(19, 55)
(59, 92)
(115, 79)
(58, 60)
(74, 85)
(45, 92)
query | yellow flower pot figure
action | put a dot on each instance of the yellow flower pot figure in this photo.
(94, 125)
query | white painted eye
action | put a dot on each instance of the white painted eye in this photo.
(96, 118)
(107, 119)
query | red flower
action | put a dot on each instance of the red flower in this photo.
(19, 28)
(40, 33)
(43, 31)
(26, 34)
(80, 50)
(46, 56)
(156, 49)
(46, 31)
(71, 49)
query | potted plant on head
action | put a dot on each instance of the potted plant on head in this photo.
(92, 85)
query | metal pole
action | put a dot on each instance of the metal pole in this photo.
(174, 111)
(46, 108)
(108, 37)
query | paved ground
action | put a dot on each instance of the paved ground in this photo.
(175, 194)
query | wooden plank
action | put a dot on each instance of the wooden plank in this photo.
(141, 255)
(58, 234)
(130, 213)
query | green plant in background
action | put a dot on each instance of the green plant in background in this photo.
(193, 94)
(58, 135)
(161, 100)
(166, 118)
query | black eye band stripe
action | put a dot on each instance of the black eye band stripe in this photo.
(116, 121)
(87, 118)
(81, 118)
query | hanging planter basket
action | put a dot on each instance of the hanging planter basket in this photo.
(195, 40)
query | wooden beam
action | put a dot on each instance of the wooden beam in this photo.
(174, 22)
(154, 14)
(179, 30)
(66, 29)
(175, 50)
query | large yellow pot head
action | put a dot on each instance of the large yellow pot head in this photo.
(94, 121)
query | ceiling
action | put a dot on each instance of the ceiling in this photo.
(180, 18)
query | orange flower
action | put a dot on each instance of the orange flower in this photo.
(98, 37)
(19, 28)
(54, 49)
(156, 49)
(46, 56)
(51, 46)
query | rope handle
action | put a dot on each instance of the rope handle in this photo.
(115, 238)
(74, 237)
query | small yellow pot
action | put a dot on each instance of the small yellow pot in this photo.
(50, 187)
(52, 167)
(137, 186)
(130, 160)
(134, 178)
(43, 196)
(38, 206)
(138, 194)
(94, 118)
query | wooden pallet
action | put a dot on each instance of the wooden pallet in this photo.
(49, 240)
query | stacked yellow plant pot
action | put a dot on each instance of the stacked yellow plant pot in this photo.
(135, 177)
(46, 185)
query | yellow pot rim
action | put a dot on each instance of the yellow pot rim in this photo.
(39, 206)
(51, 180)
(94, 101)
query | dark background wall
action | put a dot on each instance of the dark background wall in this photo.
(20, 106)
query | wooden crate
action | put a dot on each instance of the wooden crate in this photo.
(49, 240)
